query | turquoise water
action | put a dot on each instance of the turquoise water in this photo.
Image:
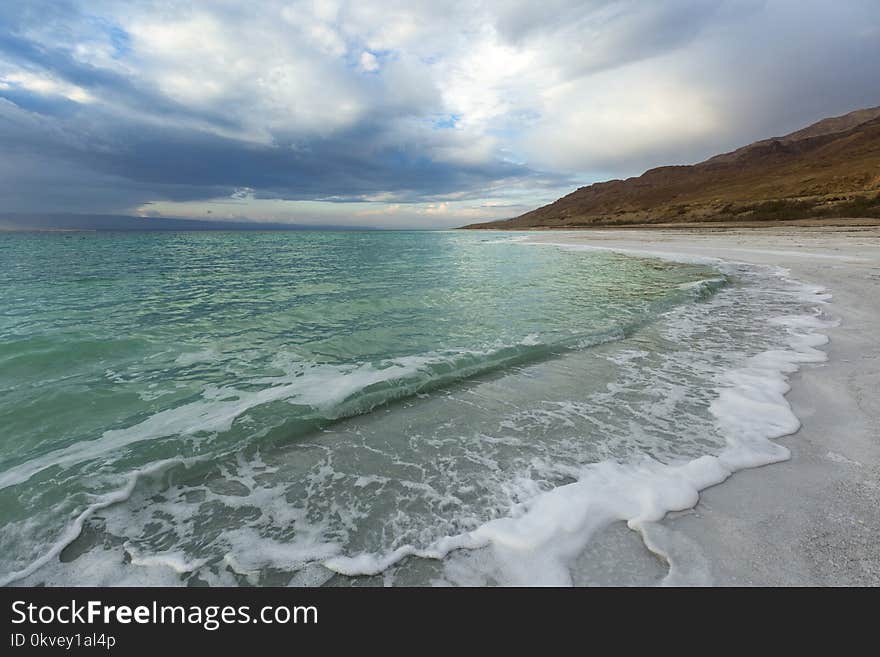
(241, 407)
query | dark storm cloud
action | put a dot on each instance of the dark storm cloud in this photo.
(606, 34)
(110, 86)
(183, 164)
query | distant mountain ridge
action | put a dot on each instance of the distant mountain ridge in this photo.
(828, 169)
(107, 222)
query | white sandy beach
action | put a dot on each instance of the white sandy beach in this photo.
(815, 519)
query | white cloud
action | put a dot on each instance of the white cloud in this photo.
(280, 70)
(45, 85)
(619, 117)
(386, 213)
(369, 62)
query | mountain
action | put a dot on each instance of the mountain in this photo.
(828, 169)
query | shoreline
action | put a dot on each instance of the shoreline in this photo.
(699, 226)
(813, 519)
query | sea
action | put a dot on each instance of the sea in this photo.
(378, 408)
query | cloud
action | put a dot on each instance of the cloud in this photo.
(621, 120)
(44, 85)
(369, 63)
(403, 111)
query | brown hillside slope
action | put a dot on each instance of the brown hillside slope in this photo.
(829, 169)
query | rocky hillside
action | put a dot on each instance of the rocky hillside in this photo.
(829, 169)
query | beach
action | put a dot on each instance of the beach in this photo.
(814, 519)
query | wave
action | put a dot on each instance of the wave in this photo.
(537, 542)
(324, 393)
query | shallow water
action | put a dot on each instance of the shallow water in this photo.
(342, 408)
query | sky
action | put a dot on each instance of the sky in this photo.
(409, 113)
